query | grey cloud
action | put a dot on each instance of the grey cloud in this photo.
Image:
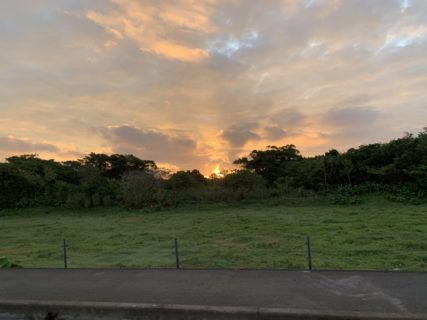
(355, 100)
(12, 144)
(288, 118)
(153, 145)
(353, 126)
(283, 123)
(351, 117)
(238, 135)
(275, 132)
(149, 139)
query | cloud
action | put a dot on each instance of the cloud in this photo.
(351, 117)
(285, 122)
(13, 144)
(232, 45)
(153, 145)
(352, 126)
(211, 79)
(153, 27)
(238, 135)
(275, 132)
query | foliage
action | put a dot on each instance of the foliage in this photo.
(244, 179)
(5, 263)
(343, 199)
(400, 163)
(115, 165)
(408, 195)
(272, 163)
(186, 179)
(398, 168)
(139, 189)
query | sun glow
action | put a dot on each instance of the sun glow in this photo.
(217, 172)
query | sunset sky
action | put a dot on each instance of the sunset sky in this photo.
(196, 84)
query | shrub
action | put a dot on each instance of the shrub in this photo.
(406, 194)
(359, 189)
(186, 179)
(341, 199)
(6, 263)
(139, 189)
(244, 179)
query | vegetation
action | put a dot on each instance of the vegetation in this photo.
(397, 168)
(5, 263)
(373, 234)
(363, 209)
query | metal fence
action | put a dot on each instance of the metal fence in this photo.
(177, 257)
(304, 253)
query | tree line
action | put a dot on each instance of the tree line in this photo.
(398, 167)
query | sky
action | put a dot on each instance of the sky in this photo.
(199, 83)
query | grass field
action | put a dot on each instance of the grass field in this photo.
(376, 235)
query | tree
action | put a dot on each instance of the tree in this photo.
(337, 168)
(115, 165)
(138, 189)
(272, 163)
(186, 179)
(244, 179)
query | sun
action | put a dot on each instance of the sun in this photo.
(217, 172)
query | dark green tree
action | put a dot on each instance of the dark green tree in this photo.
(272, 163)
(186, 179)
(115, 165)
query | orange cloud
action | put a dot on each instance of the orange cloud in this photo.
(155, 28)
(178, 52)
(255, 73)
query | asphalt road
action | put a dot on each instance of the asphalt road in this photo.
(387, 292)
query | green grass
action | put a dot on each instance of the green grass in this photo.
(375, 235)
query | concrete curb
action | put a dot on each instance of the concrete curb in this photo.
(67, 310)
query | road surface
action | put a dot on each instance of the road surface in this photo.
(381, 292)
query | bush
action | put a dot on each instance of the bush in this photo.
(284, 186)
(75, 200)
(360, 189)
(406, 194)
(341, 199)
(139, 189)
(244, 180)
(5, 263)
(186, 179)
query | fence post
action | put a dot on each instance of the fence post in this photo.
(65, 254)
(309, 253)
(177, 253)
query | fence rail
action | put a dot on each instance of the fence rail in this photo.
(176, 254)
